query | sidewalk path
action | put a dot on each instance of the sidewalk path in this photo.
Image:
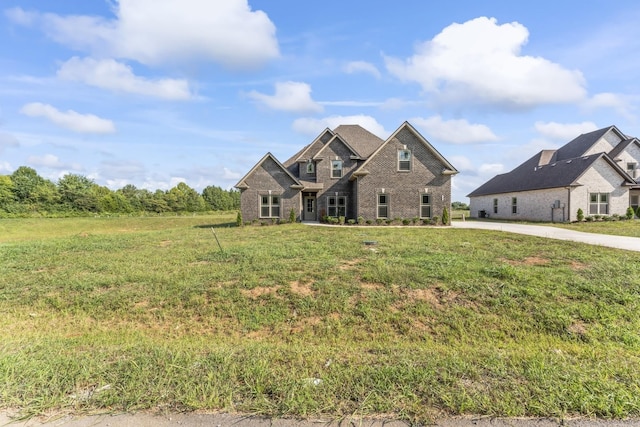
(618, 242)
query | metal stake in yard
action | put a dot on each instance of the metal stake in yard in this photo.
(216, 236)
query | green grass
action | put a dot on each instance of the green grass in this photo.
(128, 314)
(629, 228)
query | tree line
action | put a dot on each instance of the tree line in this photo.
(25, 193)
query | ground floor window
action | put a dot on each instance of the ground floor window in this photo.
(269, 206)
(514, 205)
(336, 206)
(495, 206)
(634, 202)
(598, 203)
(425, 206)
(383, 206)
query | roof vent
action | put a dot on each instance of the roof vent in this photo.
(568, 161)
(553, 164)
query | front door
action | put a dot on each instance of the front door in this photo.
(310, 209)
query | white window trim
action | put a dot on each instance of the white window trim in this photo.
(270, 205)
(341, 169)
(422, 205)
(378, 204)
(337, 206)
(410, 160)
(311, 169)
(599, 204)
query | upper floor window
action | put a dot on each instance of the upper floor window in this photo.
(336, 168)
(404, 160)
(598, 203)
(514, 205)
(631, 169)
(311, 168)
(269, 206)
(425, 206)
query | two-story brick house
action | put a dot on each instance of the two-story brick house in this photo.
(349, 172)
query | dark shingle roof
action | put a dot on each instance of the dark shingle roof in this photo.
(529, 176)
(578, 146)
(621, 146)
(360, 139)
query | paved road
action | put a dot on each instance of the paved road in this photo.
(619, 242)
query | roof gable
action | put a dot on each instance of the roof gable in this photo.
(447, 167)
(242, 184)
(530, 175)
(361, 140)
(339, 139)
(581, 144)
(312, 149)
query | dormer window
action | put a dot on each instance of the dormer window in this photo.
(404, 160)
(311, 168)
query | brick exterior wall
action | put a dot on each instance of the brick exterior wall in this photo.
(531, 205)
(404, 188)
(601, 178)
(269, 176)
(537, 205)
(336, 150)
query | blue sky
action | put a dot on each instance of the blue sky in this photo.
(154, 92)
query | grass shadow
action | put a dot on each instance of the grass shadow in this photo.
(218, 225)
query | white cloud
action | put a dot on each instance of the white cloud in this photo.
(155, 32)
(480, 62)
(20, 16)
(315, 126)
(229, 174)
(113, 75)
(8, 140)
(563, 131)
(362, 67)
(81, 123)
(490, 169)
(619, 103)
(289, 96)
(454, 131)
(51, 161)
(6, 167)
(462, 163)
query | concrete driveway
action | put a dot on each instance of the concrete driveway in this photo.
(618, 242)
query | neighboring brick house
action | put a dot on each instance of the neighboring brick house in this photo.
(596, 172)
(349, 172)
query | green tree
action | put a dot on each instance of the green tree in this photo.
(183, 198)
(445, 217)
(77, 193)
(134, 197)
(580, 215)
(7, 194)
(25, 181)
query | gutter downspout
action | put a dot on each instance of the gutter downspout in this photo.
(569, 204)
